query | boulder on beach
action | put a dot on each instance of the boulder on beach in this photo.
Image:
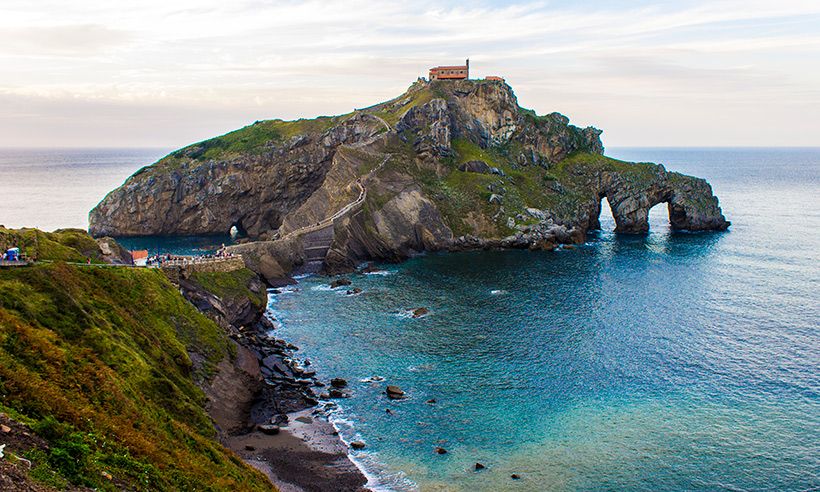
(394, 392)
(340, 282)
(269, 429)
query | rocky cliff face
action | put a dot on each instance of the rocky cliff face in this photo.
(447, 165)
(249, 179)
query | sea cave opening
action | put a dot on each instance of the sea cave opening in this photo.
(659, 218)
(237, 231)
(605, 217)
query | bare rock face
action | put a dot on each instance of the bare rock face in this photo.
(190, 193)
(449, 165)
(430, 125)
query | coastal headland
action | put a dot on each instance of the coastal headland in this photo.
(448, 165)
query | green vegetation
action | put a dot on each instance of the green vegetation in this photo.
(96, 361)
(72, 245)
(231, 285)
(583, 165)
(465, 192)
(253, 139)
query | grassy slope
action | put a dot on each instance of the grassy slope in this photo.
(96, 361)
(231, 285)
(253, 139)
(73, 245)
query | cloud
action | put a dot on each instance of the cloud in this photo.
(76, 39)
(258, 59)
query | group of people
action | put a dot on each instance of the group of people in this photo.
(158, 260)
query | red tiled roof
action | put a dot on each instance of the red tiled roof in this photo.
(453, 67)
(139, 254)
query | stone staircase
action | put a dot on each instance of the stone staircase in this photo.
(316, 243)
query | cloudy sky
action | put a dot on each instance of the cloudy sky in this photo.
(167, 73)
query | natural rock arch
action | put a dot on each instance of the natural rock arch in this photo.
(690, 202)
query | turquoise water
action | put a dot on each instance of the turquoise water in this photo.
(665, 362)
(177, 245)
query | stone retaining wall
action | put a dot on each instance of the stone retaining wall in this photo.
(175, 271)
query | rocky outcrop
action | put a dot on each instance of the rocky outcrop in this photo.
(112, 252)
(448, 165)
(209, 187)
(429, 125)
(475, 167)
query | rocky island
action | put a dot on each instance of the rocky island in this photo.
(448, 165)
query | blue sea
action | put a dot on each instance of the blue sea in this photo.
(56, 188)
(666, 362)
(661, 362)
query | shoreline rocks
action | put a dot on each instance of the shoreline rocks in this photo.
(340, 282)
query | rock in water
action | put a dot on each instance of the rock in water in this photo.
(338, 382)
(515, 476)
(357, 445)
(479, 466)
(440, 450)
(419, 312)
(340, 282)
(337, 393)
(394, 392)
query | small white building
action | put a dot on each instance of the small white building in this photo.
(140, 257)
